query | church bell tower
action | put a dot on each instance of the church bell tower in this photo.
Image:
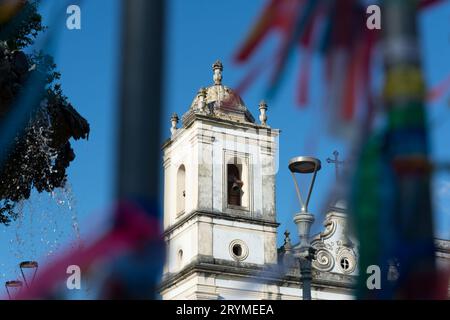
(219, 198)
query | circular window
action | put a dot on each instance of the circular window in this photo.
(238, 250)
(346, 261)
(345, 264)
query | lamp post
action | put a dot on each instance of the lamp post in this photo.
(28, 269)
(13, 287)
(304, 219)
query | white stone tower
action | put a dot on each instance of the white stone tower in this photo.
(219, 198)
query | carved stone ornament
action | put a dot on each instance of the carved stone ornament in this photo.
(330, 228)
(324, 260)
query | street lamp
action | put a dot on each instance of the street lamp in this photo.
(28, 270)
(304, 219)
(13, 287)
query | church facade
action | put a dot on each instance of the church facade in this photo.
(220, 222)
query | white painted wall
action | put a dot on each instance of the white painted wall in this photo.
(224, 235)
(185, 239)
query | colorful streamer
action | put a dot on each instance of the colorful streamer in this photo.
(335, 29)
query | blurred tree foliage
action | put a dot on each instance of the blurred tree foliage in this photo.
(41, 152)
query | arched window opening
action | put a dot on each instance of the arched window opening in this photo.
(180, 258)
(181, 189)
(235, 184)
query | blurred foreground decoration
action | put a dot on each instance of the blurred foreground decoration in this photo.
(126, 261)
(334, 29)
(40, 151)
(139, 149)
(123, 263)
(391, 201)
(439, 90)
(392, 192)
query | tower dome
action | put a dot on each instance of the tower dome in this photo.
(220, 101)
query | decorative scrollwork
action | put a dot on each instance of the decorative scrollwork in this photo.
(324, 260)
(330, 228)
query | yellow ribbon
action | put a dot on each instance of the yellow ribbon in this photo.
(404, 82)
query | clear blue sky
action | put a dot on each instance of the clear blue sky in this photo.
(199, 32)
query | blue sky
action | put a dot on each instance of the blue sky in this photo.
(199, 32)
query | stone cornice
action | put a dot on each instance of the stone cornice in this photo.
(191, 118)
(219, 215)
(267, 274)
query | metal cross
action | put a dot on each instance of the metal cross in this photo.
(336, 162)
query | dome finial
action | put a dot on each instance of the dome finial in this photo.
(287, 241)
(262, 112)
(174, 121)
(217, 75)
(202, 100)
